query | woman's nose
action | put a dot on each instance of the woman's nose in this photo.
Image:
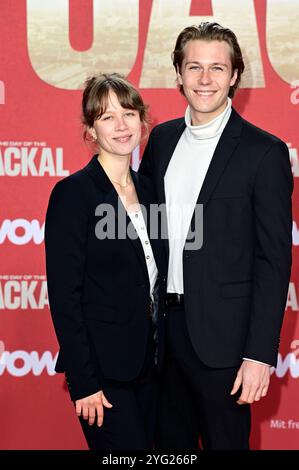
(121, 123)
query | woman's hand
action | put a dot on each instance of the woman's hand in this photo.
(91, 406)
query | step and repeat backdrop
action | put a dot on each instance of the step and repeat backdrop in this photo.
(47, 49)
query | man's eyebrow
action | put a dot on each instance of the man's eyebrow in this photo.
(199, 63)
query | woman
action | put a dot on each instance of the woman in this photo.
(102, 270)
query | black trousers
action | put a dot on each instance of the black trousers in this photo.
(194, 400)
(130, 424)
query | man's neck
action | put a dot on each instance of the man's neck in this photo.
(200, 119)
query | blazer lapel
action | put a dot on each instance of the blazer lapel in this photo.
(223, 152)
(96, 171)
(122, 220)
(167, 150)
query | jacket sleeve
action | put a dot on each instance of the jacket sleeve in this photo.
(65, 242)
(272, 206)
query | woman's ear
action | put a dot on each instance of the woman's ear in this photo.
(91, 131)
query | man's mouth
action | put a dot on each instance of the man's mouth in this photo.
(204, 93)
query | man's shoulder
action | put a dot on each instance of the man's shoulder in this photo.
(169, 126)
(141, 179)
(145, 182)
(256, 134)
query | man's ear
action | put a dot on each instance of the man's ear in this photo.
(178, 76)
(234, 77)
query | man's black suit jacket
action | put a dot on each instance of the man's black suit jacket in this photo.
(98, 289)
(236, 285)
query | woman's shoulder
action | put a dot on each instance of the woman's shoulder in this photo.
(74, 187)
(76, 179)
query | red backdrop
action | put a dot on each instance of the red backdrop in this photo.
(47, 49)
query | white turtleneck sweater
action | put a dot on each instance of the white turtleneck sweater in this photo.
(183, 181)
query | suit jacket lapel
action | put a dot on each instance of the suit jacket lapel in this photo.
(122, 220)
(168, 148)
(103, 183)
(223, 152)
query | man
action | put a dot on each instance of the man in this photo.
(225, 301)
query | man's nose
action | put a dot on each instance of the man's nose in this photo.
(205, 77)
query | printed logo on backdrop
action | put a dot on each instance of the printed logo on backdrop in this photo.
(2, 349)
(295, 234)
(2, 92)
(22, 292)
(116, 46)
(288, 364)
(20, 363)
(295, 94)
(31, 158)
(294, 160)
(289, 424)
(22, 231)
(292, 298)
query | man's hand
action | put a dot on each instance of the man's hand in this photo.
(255, 379)
(91, 406)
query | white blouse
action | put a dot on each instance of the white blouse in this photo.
(137, 220)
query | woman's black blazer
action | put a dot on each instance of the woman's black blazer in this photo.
(98, 288)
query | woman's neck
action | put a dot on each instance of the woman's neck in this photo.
(117, 169)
